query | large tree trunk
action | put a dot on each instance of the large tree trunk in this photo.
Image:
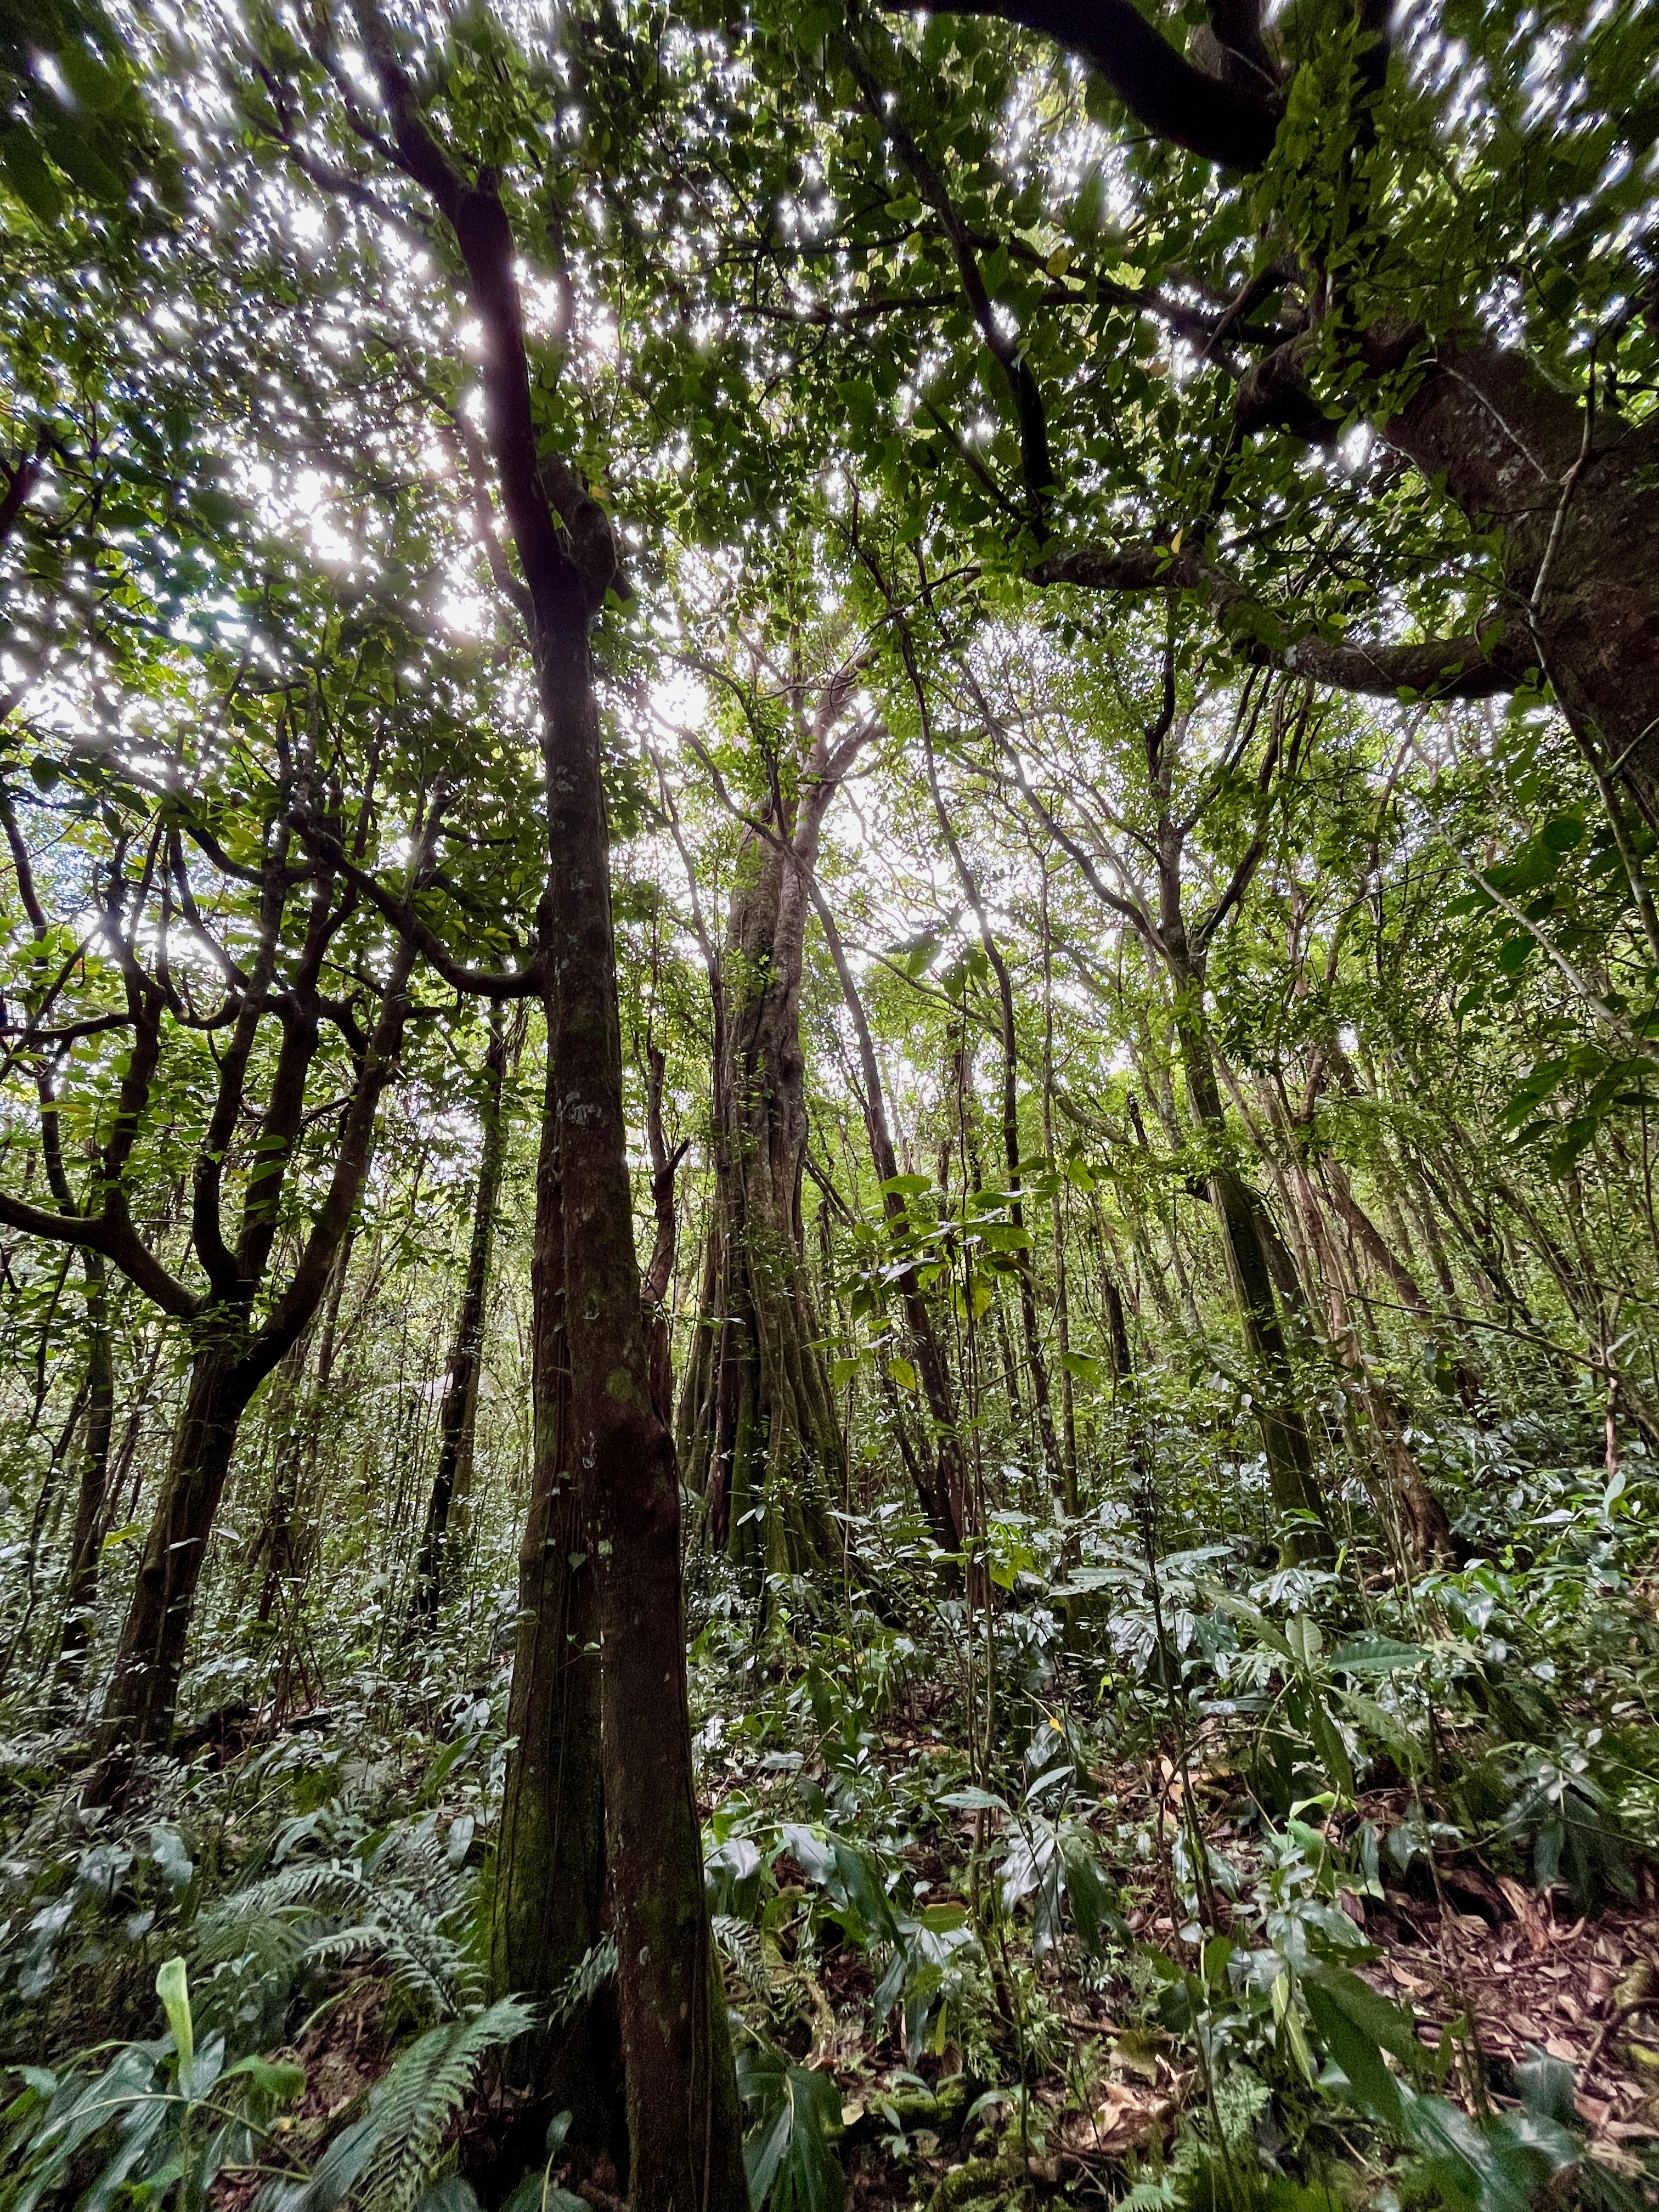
(458, 1414)
(684, 2127)
(549, 1900)
(684, 2131)
(758, 1418)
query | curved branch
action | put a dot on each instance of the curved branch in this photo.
(404, 917)
(1159, 87)
(113, 1235)
(1483, 664)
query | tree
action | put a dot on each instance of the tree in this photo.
(1294, 237)
(458, 1418)
(757, 1421)
(613, 1455)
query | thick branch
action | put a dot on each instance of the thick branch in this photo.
(1160, 88)
(1484, 665)
(111, 1234)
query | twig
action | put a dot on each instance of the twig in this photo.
(1620, 2012)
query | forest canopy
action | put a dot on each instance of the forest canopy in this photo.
(829, 966)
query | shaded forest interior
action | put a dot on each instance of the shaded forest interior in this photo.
(829, 970)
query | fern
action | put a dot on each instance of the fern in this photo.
(386, 2161)
(587, 1978)
(787, 1993)
(422, 2094)
(739, 1946)
(399, 1906)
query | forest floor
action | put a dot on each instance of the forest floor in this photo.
(1462, 1945)
(1080, 1947)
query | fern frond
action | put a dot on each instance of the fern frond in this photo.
(401, 1908)
(419, 2097)
(587, 1978)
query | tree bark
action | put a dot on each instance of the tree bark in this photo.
(459, 1414)
(758, 1422)
(547, 1910)
(683, 2124)
(685, 2133)
(81, 1583)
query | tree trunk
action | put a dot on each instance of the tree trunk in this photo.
(659, 1272)
(1290, 1478)
(458, 1414)
(1424, 1531)
(939, 1472)
(758, 1421)
(144, 1687)
(1037, 1366)
(1062, 1303)
(548, 1907)
(80, 1585)
(230, 1360)
(683, 2122)
(684, 2132)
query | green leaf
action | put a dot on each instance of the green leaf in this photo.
(791, 2163)
(973, 1800)
(28, 174)
(1090, 1895)
(1548, 2087)
(174, 1990)
(280, 2079)
(1328, 1741)
(1356, 2051)
(1376, 1655)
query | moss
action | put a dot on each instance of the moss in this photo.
(976, 2177)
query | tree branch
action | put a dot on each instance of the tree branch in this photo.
(1160, 88)
(1485, 665)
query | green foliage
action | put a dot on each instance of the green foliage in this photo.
(387, 2160)
(790, 2150)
